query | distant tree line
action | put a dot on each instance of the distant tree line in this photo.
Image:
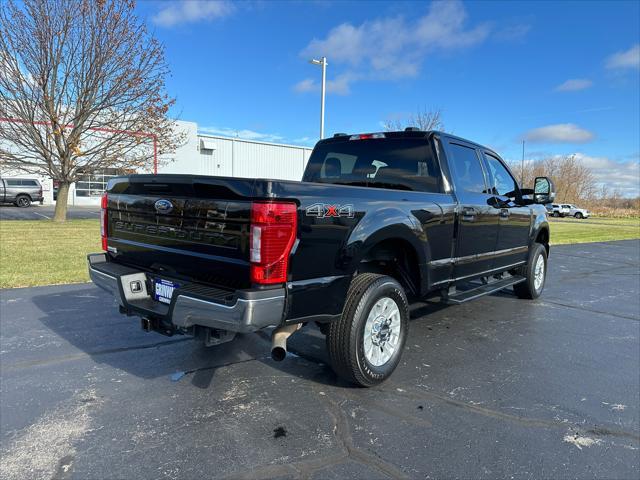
(576, 184)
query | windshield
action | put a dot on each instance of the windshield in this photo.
(395, 163)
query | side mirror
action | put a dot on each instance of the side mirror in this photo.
(543, 190)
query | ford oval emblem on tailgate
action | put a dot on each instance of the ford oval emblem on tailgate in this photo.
(163, 206)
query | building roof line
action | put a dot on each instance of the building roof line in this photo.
(223, 137)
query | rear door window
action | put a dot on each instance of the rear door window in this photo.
(466, 168)
(392, 163)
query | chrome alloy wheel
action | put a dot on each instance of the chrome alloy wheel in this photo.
(538, 273)
(382, 332)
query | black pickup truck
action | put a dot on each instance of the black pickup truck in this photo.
(377, 220)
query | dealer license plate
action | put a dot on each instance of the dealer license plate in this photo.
(163, 290)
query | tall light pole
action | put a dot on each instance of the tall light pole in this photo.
(323, 63)
(522, 167)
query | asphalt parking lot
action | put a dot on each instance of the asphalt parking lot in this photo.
(497, 388)
(45, 212)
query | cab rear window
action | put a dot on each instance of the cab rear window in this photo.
(393, 163)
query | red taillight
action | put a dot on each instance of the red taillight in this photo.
(104, 220)
(273, 233)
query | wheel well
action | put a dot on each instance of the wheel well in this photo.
(396, 258)
(543, 238)
(24, 195)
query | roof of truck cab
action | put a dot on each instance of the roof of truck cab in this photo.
(409, 134)
(401, 134)
(465, 140)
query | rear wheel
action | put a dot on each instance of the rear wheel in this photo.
(366, 343)
(23, 201)
(579, 215)
(535, 273)
(556, 214)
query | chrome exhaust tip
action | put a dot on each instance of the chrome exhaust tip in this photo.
(279, 341)
(278, 353)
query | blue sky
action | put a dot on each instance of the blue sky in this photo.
(563, 76)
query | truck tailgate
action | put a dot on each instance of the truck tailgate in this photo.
(182, 227)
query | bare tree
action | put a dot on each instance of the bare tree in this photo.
(573, 180)
(423, 119)
(532, 169)
(81, 89)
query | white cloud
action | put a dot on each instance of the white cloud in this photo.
(626, 59)
(392, 48)
(305, 141)
(444, 27)
(340, 85)
(574, 84)
(247, 134)
(622, 176)
(306, 85)
(190, 11)
(559, 133)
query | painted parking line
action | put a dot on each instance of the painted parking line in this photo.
(42, 215)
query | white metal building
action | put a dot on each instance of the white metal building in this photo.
(205, 154)
(202, 154)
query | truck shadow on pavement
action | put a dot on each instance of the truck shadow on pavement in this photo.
(90, 322)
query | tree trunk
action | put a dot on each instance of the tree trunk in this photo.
(60, 214)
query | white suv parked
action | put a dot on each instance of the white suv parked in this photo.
(574, 211)
(557, 210)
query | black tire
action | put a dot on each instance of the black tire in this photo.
(556, 214)
(345, 340)
(579, 216)
(23, 201)
(527, 289)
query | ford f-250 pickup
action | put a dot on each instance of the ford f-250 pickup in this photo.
(377, 220)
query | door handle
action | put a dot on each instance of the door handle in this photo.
(468, 214)
(504, 213)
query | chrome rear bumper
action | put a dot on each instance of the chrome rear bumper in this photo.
(239, 311)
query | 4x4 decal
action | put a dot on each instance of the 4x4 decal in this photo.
(323, 210)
